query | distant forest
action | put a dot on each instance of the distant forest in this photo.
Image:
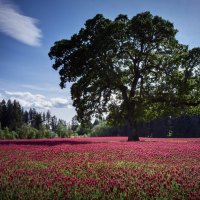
(17, 123)
(12, 115)
(182, 126)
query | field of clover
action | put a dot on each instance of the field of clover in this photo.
(107, 168)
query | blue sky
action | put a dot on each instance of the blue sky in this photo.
(29, 28)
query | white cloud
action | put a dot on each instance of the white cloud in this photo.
(18, 26)
(29, 100)
(44, 87)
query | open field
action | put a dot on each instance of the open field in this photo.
(100, 168)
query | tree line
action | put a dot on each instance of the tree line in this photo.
(15, 122)
(184, 126)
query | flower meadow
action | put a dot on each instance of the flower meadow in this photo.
(100, 168)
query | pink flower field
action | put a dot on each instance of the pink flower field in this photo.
(100, 168)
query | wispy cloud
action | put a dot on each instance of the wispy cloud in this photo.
(19, 26)
(44, 87)
(29, 100)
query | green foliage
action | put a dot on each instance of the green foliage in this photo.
(81, 130)
(104, 128)
(84, 129)
(101, 129)
(6, 134)
(75, 123)
(61, 130)
(132, 68)
(27, 132)
(20, 124)
(2, 134)
(43, 132)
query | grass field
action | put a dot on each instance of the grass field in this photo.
(100, 168)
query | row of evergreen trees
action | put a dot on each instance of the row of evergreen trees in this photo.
(15, 122)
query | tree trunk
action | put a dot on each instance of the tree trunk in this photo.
(132, 132)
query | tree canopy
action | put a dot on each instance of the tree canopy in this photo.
(133, 68)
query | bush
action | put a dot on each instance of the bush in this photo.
(27, 132)
(104, 129)
(6, 134)
(64, 130)
(52, 134)
(101, 129)
(2, 134)
(81, 130)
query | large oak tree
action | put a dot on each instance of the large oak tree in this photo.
(134, 68)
